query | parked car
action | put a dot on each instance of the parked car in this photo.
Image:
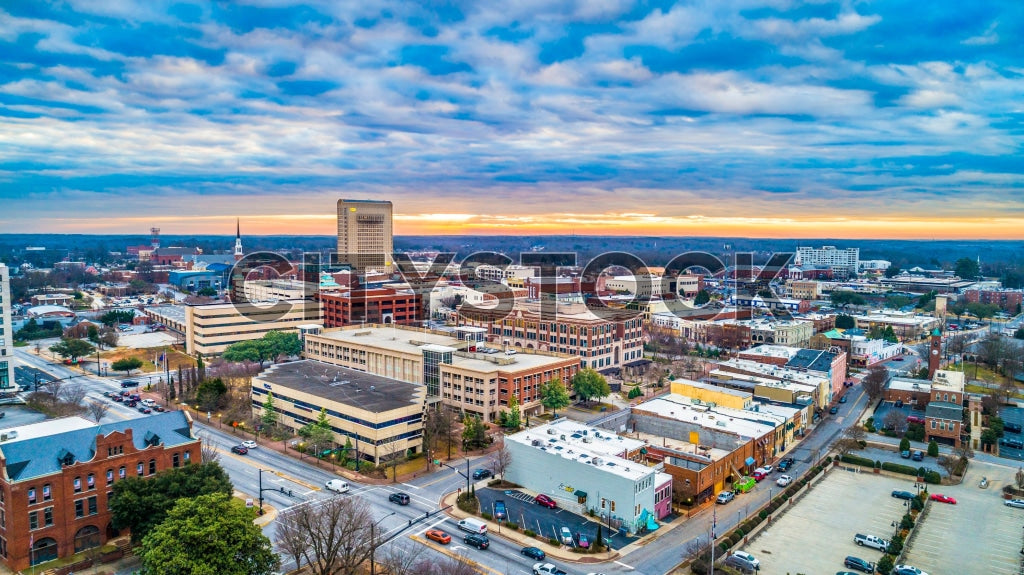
(902, 494)
(759, 474)
(546, 501)
(915, 419)
(871, 541)
(1018, 503)
(477, 540)
(1014, 443)
(859, 564)
(725, 497)
(582, 541)
(148, 402)
(482, 474)
(158, 409)
(768, 468)
(565, 535)
(399, 498)
(842, 399)
(784, 481)
(500, 511)
(906, 570)
(249, 444)
(337, 485)
(833, 410)
(439, 536)
(918, 455)
(1012, 427)
(905, 454)
(786, 463)
(743, 560)
(239, 449)
(533, 553)
(943, 498)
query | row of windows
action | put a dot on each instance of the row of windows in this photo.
(90, 480)
(304, 419)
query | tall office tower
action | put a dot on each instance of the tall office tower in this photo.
(6, 332)
(365, 235)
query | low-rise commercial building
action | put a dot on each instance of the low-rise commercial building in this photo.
(781, 384)
(211, 328)
(57, 478)
(589, 469)
(1008, 300)
(370, 305)
(906, 325)
(712, 395)
(382, 417)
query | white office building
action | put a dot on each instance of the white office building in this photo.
(6, 332)
(842, 261)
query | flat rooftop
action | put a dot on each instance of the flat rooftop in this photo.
(749, 424)
(46, 428)
(903, 384)
(586, 445)
(780, 351)
(342, 385)
(172, 312)
(712, 453)
(772, 371)
(712, 387)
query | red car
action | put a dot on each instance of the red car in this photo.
(439, 536)
(943, 498)
(546, 501)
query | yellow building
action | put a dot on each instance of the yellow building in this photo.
(712, 394)
(211, 328)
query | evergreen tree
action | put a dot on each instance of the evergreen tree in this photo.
(269, 416)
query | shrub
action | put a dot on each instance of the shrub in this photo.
(916, 504)
(763, 514)
(933, 449)
(529, 532)
(699, 566)
(512, 526)
(900, 468)
(857, 460)
(907, 522)
(862, 443)
(733, 540)
(724, 546)
(486, 515)
(869, 425)
(828, 459)
(878, 464)
(553, 541)
(915, 432)
(739, 531)
(932, 477)
(885, 565)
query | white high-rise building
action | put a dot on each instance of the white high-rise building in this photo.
(365, 235)
(842, 261)
(6, 332)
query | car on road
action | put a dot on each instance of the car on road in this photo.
(239, 449)
(482, 474)
(1018, 503)
(477, 540)
(833, 410)
(917, 455)
(565, 535)
(786, 463)
(759, 474)
(897, 359)
(582, 541)
(129, 383)
(547, 569)
(842, 399)
(1012, 427)
(439, 536)
(784, 481)
(1014, 443)
(902, 494)
(399, 498)
(249, 444)
(907, 570)
(118, 398)
(544, 500)
(158, 409)
(725, 497)
(859, 564)
(943, 498)
(533, 553)
(337, 485)
(144, 409)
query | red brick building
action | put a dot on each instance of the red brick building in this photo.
(1007, 300)
(370, 305)
(58, 476)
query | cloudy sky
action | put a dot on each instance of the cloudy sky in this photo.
(769, 118)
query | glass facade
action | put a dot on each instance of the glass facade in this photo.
(432, 360)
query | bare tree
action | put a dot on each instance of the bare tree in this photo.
(337, 533)
(97, 410)
(991, 402)
(54, 391)
(396, 560)
(72, 393)
(501, 459)
(895, 420)
(448, 565)
(856, 433)
(949, 463)
(208, 450)
(1019, 478)
(290, 537)
(875, 381)
(845, 445)
(393, 455)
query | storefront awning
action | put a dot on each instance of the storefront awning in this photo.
(581, 494)
(749, 461)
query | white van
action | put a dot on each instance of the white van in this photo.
(337, 486)
(473, 526)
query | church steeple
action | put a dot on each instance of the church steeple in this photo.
(238, 239)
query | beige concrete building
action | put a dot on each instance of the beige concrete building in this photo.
(456, 368)
(380, 416)
(365, 234)
(803, 289)
(211, 328)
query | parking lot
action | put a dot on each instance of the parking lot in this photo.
(977, 535)
(832, 512)
(523, 511)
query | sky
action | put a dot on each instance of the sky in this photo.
(770, 118)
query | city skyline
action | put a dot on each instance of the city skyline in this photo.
(736, 119)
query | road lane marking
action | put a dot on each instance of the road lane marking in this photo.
(251, 463)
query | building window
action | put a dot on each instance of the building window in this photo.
(48, 516)
(3, 519)
(33, 520)
(175, 460)
(110, 476)
(46, 492)
(188, 457)
(90, 481)
(140, 468)
(31, 495)
(152, 466)
(110, 498)
(933, 424)
(78, 484)
(121, 472)
(92, 505)
(80, 508)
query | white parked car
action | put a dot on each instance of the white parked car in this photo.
(768, 468)
(1014, 503)
(566, 536)
(148, 402)
(784, 481)
(250, 444)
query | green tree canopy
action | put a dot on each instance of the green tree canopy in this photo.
(843, 298)
(117, 316)
(702, 298)
(245, 351)
(588, 384)
(140, 504)
(70, 348)
(892, 271)
(553, 395)
(513, 417)
(474, 433)
(271, 346)
(844, 321)
(966, 268)
(269, 415)
(211, 393)
(208, 535)
(982, 310)
(126, 364)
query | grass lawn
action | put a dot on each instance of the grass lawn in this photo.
(147, 355)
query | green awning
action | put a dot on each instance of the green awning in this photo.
(581, 494)
(643, 450)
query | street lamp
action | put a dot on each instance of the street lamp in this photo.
(373, 543)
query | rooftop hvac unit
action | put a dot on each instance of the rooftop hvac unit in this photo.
(552, 431)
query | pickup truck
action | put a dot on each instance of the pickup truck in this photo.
(547, 569)
(871, 541)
